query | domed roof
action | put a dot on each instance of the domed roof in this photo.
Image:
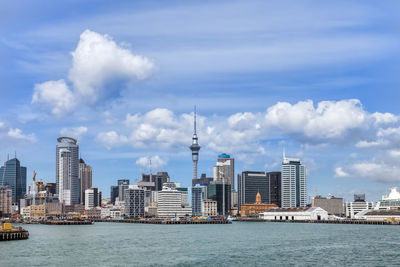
(258, 198)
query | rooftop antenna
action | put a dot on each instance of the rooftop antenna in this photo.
(151, 177)
(8, 156)
(284, 154)
(15, 153)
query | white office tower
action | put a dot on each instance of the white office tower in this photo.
(134, 201)
(67, 166)
(294, 187)
(225, 168)
(170, 202)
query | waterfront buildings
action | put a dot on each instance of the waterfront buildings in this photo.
(359, 204)
(333, 205)
(198, 195)
(5, 201)
(249, 184)
(256, 208)
(275, 182)
(12, 174)
(293, 185)
(295, 214)
(209, 208)
(221, 193)
(170, 202)
(195, 147)
(389, 202)
(225, 169)
(85, 179)
(134, 201)
(91, 198)
(378, 215)
(67, 170)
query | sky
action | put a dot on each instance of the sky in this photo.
(316, 78)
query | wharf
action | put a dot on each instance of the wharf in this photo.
(325, 221)
(61, 222)
(165, 221)
(19, 234)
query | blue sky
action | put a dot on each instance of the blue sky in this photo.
(318, 78)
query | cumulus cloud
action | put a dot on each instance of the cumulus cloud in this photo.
(14, 136)
(56, 95)
(156, 162)
(339, 172)
(377, 171)
(328, 120)
(76, 132)
(98, 61)
(111, 139)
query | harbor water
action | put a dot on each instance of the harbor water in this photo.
(237, 244)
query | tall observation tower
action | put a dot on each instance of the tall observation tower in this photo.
(195, 147)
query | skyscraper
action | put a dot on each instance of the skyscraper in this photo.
(14, 175)
(114, 193)
(198, 194)
(91, 198)
(67, 170)
(225, 167)
(294, 190)
(195, 147)
(275, 181)
(85, 178)
(220, 192)
(134, 201)
(122, 185)
(249, 184)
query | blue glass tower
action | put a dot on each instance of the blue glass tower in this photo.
(14, 175)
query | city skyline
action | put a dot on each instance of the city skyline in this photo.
(317, 80)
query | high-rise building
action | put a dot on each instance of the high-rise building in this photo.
(114, 193)
(67, 170)
(170, 202)
(203, 180)
(249, 184)
(91, 198)
(294, 188)
(198, 194)
(275, 181)
(220, 192)
(160, 179)
(85, 178)
(5, 201)
(195, 147)
(225, 168)
(134, 201)
(122, 185)
(14, 175)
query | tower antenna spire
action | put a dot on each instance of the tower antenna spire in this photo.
(195, 119)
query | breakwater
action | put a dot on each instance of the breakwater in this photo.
(165, 221)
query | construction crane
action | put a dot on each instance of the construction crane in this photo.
(40, 184)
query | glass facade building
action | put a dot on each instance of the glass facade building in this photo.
(12, 174)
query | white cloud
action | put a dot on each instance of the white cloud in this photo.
(98, 59)
(367, 144)
(76, 132)
(56, 95)
(111, 139)
(384, 118)
(14, 136)
(98, 62)
(329, 120)
(156, 162)
(340, 173)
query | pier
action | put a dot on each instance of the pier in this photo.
(8, 233)
(326, 221)
(60, 222)
(165, 221)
